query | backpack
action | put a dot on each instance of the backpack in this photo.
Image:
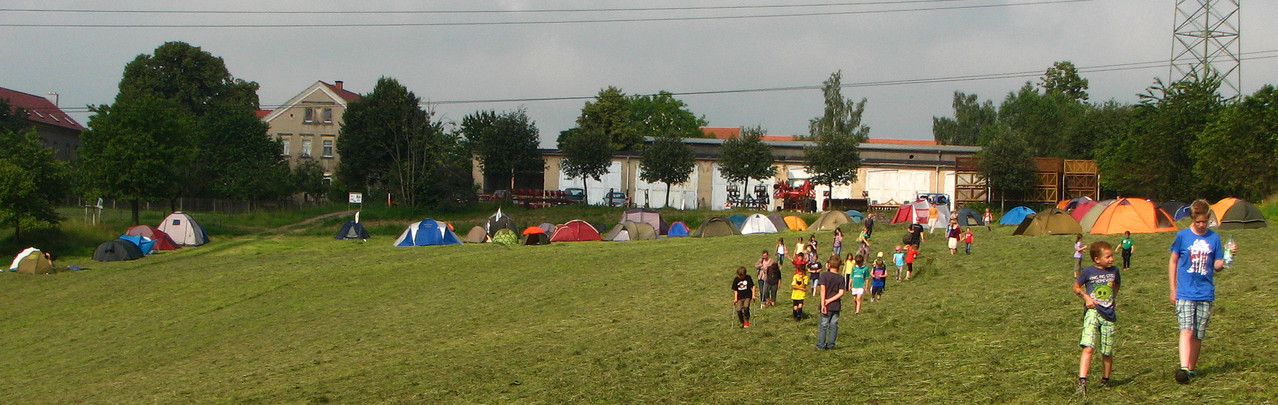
(909, 237)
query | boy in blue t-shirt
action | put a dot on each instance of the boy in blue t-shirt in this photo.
(1196, 256)
(1098, 286)
(899, 260)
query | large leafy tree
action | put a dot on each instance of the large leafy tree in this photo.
(668, 160)
(1062, 78)
(238, 157)
(970, 117)
(747, 157)
(1007, 163)
(663, 115)
(586, 155)
(1151, 159)
(31, 180)
(838, 134)
(308, 178)
(1234, 155)
(389, 142)
(13, 119)
(132, 153)
(1047, 121)
(610, 115)
(505, 144)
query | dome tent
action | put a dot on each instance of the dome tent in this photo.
(534, 235)
(757, 223)
(31, 261)
(968, 217)
(117, 250)
(352, 230)
(778, 222)
(427, 232)
(183, 229)
(1015, 216)
(795, 223)
(1051, 221)
(1093, 214)
(506, 237)
(678, 229)
(575, 231)
(647, 216)
(1131, 215)
(162, 240)
(715, 226)
(477, 234)
(1234, 213)
(737, 220)
(499, 221)
(830, 220)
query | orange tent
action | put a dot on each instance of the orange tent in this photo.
(1134, 215)
(1237, 214)
(532, 230)
(795, 223)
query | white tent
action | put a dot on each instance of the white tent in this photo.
(758, 223)
(183, 229)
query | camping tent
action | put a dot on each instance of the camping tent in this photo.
(146, 245)
(1016, 216)
(534, 235)
(1081, 209)
(795, 223)
(1070, 205)
(758, 223)
(1185, 210)
(921, 207)
(942, 215)
(904, 214)
(630, 230)
(575, 231)
(477, 234)
(183, 229)
(352, 230)
(161, 239)
(117, 250)
(737, 220)
(677, 229)
(427, 232)
(1238, 214)
(499, 221)
(1051, 221)
(1093, 214)
(716, 226)
(778, 222)
(547, 228)
(830, 220)
(1172, 207)
(1134, 215)
(856, 216)
(31, 261)
(506, 237)
(967, 217)
(647, 216)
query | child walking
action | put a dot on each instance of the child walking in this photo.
(911, 253)
(742, 293)
(880, 278)
(856, 285)
(967, 239)
(1078, 253)
(1126, 246)
(799, 292)
(1196, 256)
(780, 250)
(988, 218)
(898, 259)
(1098, 286)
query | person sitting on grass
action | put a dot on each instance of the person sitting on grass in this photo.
(742, 292)
(1098, 286)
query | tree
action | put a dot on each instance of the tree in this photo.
(13, 119)
(504, 144)
(308, 178)
(838, 133)
(389, 141)
(667, 160)
(1062, 78)
(747, 157)
(130, 152)
(31, 180)
(1006, 163)
(1234, 155)
(1046, 121)
(1097, 125)
(237, 158)
(970, 118)
(663, 115)
(610, 115)
(586, 155)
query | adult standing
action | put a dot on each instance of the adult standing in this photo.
(833, 285)
(1196, 256)
(762, 267)
(916, 234)
(931, 217)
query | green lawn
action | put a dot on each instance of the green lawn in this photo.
(297, 317)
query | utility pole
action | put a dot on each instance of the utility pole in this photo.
(1206, 41)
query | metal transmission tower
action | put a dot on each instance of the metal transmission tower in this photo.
(1206, 40)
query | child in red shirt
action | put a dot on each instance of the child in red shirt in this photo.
(967, 239)
(910, 252)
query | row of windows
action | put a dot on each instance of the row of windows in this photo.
(309, 116)
(325, 151)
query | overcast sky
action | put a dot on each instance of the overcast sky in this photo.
(915, 40)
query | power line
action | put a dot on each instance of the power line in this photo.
(534, 11)
(544, 22)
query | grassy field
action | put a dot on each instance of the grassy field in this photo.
(297, 317)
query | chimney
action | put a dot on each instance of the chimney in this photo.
(52, 97)
(336, 83)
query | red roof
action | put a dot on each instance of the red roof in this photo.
(39, 109)
(900, 142)
(730, 133)
(263, 113)
(341, 92)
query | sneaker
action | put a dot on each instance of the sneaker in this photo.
(1104, 382)
(1182, 376)
(1082, 389)
(747, 325)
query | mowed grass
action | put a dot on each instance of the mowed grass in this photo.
(308, 319)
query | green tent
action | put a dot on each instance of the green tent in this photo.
(506, 237)
(830, 220)
(630, 230)
(715, 226)
(1051, 221)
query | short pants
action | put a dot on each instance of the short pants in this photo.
(1193, 315)
(1095, 327)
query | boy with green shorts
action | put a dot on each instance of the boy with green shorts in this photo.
(1098, 286)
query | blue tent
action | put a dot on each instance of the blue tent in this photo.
(1181, 213)
(1016, 215)
(142, 243)
(856, 216)
(428, 232)
(352, 230)
(677, 229)
(738, 220)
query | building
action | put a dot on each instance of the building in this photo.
(60, 132)
(892, 171)
(309, 123)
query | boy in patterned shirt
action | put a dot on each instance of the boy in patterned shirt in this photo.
(1098, 286)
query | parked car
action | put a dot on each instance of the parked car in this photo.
(616, 199)
(575, 194)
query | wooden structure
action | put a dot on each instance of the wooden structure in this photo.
(1057, 179)
(1081, 179)
(969, 185)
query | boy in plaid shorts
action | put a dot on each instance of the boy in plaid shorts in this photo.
(1098, 286)
(1196, 256)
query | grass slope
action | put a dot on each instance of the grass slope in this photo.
(307, 319)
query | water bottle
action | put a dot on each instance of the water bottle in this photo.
(1229, 252)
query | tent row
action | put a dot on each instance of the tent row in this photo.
(1083, 215)
(176, 230)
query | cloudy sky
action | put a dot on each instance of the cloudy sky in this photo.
(458, 52)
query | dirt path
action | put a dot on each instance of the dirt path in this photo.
(301, 226)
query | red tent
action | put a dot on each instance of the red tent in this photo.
(904, 214)
(1081, 209)
(162, 240)
(574, 231)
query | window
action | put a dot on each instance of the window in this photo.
(309, 117)
(306, 146)
(328, 179)
(284, 141)
(328, 115)
(328, 148)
